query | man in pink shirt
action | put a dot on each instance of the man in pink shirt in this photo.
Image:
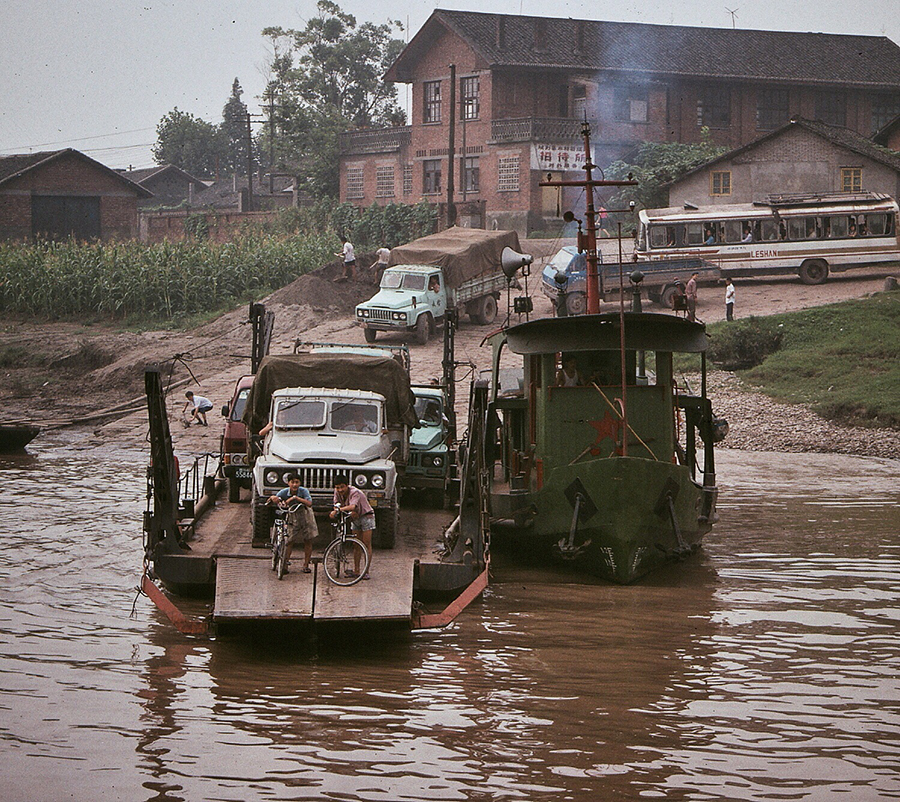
(362, 517)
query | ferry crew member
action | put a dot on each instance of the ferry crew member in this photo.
(302, 523)
(362, 517)
(568, 376)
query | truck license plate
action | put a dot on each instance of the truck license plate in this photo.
(242, 473)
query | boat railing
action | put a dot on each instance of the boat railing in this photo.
(192, 481)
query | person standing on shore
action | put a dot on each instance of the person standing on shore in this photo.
(383, 257)
(691, 292)
(349, 261)
(729, 300)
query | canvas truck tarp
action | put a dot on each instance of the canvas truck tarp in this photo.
(377, 374)
(461, 253)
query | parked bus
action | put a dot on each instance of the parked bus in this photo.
(805, 234)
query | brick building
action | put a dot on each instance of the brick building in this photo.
(802, 156)
(524, 83)
(169, 184)
(64, 193)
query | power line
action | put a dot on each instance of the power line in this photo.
(82, 139)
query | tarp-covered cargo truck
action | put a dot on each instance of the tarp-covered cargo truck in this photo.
(332, 413)
(457, 268)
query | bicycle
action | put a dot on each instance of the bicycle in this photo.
(346, 559)
(280, 538)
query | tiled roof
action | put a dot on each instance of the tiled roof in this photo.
(841, 137)
(223, 195)
(142, 174)
(16, 164)
(644, 49)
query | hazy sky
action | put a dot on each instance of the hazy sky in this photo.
(98, 75)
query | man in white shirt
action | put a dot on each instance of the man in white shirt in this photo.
(201, 406)
(729, 300)
(383, 258)
(349, 256)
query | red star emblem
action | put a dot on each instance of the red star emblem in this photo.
(608, 427)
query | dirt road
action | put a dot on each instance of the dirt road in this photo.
(62, 371)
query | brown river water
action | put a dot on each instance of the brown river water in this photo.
(765, 668)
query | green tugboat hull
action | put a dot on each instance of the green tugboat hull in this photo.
(634, 515)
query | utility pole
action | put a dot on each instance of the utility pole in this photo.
(451, 150)
(249, 164)
(271, 143)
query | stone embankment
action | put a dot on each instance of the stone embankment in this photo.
(759, 423)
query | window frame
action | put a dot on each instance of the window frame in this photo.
(471, 175)
(771, 114)
(624, 97)
(713, 174)
(432, 185)
(470, 97)
(831, 108)
(714, 107)
(431, 102)
(851, 179)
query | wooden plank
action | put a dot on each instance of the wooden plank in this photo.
(387, 596)
(247, 588)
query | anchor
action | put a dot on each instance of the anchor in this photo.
(579, 498)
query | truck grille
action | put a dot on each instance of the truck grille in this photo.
(383, 315)
(318, 478)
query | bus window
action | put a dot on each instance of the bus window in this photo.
(796, 228)
(836, 227)
(876, 224)
(768, 230)
(694, 234)
(712, 233)
(663, 237)
(734, 230)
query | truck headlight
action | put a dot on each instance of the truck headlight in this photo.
(271, 477)
(285, 475)
(398, 315)
(378, 481)
(362, 312)
(360, 480)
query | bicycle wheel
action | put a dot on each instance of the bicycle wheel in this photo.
(276, 537)
(281, 556)
(340, 559)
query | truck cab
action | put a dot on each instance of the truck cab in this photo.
(430, 459)
(411, 298)
(233, 452)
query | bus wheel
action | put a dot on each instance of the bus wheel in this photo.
(814, 271)
(667, 297)
(576, 303)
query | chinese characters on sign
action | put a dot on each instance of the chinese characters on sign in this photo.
(547, 157)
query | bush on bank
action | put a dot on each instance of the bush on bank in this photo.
(161, 281)
(745, 343)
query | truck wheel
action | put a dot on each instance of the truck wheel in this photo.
(667, 297)
(576, 303)
(370, 335)
(261, 514)
(487, 311)
(423, 329)
(386, 527)
(814, 271)
(234, 490)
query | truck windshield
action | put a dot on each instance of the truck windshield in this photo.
(299, 413)
(354, 417)
(565, 261)
(406, 281)
(428, 411)
(240, 402)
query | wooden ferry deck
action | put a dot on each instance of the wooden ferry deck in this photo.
(248, 589)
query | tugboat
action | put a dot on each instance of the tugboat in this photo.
(583, 436)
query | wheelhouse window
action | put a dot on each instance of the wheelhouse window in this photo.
(470, 91)
(720, 182)
(772, 108)
(631, 104)
(851, 179)
(831, 108)
(714, 108)
(431, 184)
(432, 99)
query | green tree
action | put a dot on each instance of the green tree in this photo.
(325, 79)
(188, 142)
(657, 164)
(234, 132)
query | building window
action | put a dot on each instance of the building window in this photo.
(885, 108)
(579, 101)
(771, 108)
(508, 174)
(469, 89)
(831, 108)
(851, 179)
(407, 179)
(720, 183)
(432, 96)
(471, 176)
(714, 108)
(355, 183)
(384, 182)
(630, 104)
(562, 101)
(431, 184)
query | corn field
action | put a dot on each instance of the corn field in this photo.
(160, 281)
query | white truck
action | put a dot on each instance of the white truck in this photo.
(331, 413)
(459, 267)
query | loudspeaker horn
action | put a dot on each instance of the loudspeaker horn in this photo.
(511, 261)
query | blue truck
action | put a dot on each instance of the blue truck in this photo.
(566, 273)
